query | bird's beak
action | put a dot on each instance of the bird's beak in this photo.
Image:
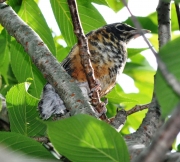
(137, 33)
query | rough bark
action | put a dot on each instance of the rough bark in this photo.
(45, 61)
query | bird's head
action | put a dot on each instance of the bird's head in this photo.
(125, 32)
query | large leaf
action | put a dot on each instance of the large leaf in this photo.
(23, 145)
(84, 138)
(89, 16)
(166, 96)
(22, 110)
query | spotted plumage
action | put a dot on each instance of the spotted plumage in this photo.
(107, 46)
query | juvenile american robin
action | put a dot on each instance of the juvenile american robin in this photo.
(108, 49)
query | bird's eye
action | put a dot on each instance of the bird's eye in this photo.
(119, 27)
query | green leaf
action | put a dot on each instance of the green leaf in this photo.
(135, 51)
(32, 15)
(178, 148)
(169, 55)
(84, 137)
(15, 4)
(101, 2)
(62, 52)
(116, 5)
(174, 20)
(23, 68)
(24, 146)
(89, 16)
(4, 54)
(148, 22)
(117, 98)
(22, 110)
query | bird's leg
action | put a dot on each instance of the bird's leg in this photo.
(88, 94)
(96, 88)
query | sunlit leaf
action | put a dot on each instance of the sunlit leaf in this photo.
(116, 5)
(4, 54)
(22, 111)
(84, 137)
(32, 15)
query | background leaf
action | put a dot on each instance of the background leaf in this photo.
(148, 22)
(166, 97)
(116, 5)
(87, 12)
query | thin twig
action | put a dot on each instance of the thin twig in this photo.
(1, 1)
(137, 108)
(85, 58)
(41, 139)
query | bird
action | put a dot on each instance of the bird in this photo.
(108, 55)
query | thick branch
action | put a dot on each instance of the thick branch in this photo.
(85, 58)
(164, 28)
(45, 61)
(142, 137)
(163, 140)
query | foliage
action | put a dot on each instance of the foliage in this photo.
(97, 138)
(88, 139)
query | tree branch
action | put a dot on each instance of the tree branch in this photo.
(164, 28)
(142, 137)
(137, 108)
(45, 61)
(163, 140)
(85, 59)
